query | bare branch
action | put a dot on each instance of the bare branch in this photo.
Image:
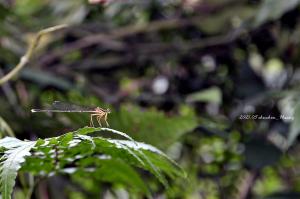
(25, 59)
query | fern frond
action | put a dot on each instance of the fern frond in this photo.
(11, 162)
(80, 154)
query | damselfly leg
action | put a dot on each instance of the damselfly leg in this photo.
(105, 119)
(91, 120)
(99, 120)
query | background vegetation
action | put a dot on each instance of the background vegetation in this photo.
(213, 84)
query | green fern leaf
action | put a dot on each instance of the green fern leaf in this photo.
(11, 162)
(80, 154)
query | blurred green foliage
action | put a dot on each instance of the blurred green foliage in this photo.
(197, 79)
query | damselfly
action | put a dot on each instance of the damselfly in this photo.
(62, 107)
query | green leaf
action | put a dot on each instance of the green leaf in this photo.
(273, 9)
(87, 130)
(212, 95)
(78, 153)
(295, 126)
(11, 162)
(139, 147)
(114, 171)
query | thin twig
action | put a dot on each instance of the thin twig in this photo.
(6, 128)
(245, 187)
(11, 96)
(32, 184)
(144, 51)
(120, 33)
(25, 59)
